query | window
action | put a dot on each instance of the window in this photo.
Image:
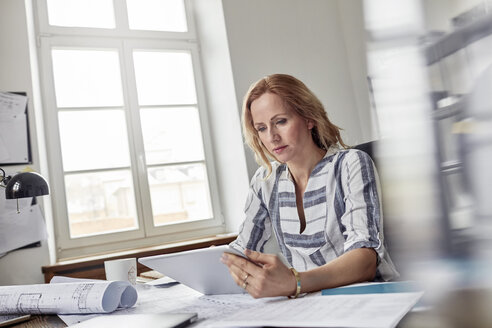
(130, 156)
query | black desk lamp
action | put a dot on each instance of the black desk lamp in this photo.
(25, 184)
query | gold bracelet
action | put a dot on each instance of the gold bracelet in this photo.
(298, 283)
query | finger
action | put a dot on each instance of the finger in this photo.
(233, 263)
(242, 279)
(236, 274)
(260, 258)
(240, 273)
(242, 263)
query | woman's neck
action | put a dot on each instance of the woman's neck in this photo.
(301, 170)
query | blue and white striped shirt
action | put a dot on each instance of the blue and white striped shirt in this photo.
(341, 206)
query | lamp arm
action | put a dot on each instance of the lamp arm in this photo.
(4, 179)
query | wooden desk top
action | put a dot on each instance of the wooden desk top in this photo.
(41, 321)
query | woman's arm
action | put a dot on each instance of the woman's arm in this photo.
(357, 265)
(270, 277)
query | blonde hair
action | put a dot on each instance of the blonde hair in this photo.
(296, 95)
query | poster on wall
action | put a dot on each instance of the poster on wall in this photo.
(15, 147)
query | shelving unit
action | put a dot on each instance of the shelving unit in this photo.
(452, 168)
(460, 38)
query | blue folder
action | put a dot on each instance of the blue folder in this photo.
(375, 288)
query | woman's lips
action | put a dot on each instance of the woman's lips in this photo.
(278, 150)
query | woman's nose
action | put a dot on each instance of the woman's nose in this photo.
(274, 135)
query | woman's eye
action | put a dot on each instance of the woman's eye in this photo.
(281, 121)
(261, 129)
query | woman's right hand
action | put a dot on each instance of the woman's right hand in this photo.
(261, 275)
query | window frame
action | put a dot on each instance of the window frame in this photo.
(125, 42)
(122, 29)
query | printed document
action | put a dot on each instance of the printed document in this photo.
(371, 310)
(14, 143)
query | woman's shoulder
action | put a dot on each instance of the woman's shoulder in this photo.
(352, 154)
(263, 176)
(263, 173)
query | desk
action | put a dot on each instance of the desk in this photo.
(462, 308)
(42, 321)
(213, 310)
(411, 320)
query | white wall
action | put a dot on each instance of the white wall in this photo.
(352, 22)
(225, 126)
(297, 37)
(22, 266)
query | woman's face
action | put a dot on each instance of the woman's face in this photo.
(285, 134)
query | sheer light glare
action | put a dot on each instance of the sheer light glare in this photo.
(87, 78)
(157, 15)
(81, 13)
(164, 78)
(88, 151)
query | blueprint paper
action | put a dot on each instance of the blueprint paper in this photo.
(128, 296)
(62, 298)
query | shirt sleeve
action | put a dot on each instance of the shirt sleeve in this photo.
(362, 216)
(256, 227)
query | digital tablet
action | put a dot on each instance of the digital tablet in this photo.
(199, 269)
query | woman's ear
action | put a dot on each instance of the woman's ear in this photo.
(310, 124)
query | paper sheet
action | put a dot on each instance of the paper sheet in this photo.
(374, 310)
(151, 299)
(11, 105)
(237, 309)
(4, 151)
(21, 229)
(9, 206)
(73, 297)
(13, 129)
(128, 296)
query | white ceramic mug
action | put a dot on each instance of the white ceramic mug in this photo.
(122, 270)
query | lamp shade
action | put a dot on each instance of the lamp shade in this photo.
(26, 184)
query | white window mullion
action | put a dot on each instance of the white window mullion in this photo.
(52, 135)
(139, 169)
(121, 16)
(206, 134)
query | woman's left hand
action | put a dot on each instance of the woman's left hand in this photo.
(263, 275)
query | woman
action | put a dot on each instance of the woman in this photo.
(319, 198)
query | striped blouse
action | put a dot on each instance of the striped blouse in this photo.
(341, 206)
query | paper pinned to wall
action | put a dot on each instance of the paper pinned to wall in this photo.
(4, 151)
(21, 229)
(14, 133)
(11, 105)
(9, 206)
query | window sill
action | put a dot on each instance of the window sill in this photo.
(93, 267)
